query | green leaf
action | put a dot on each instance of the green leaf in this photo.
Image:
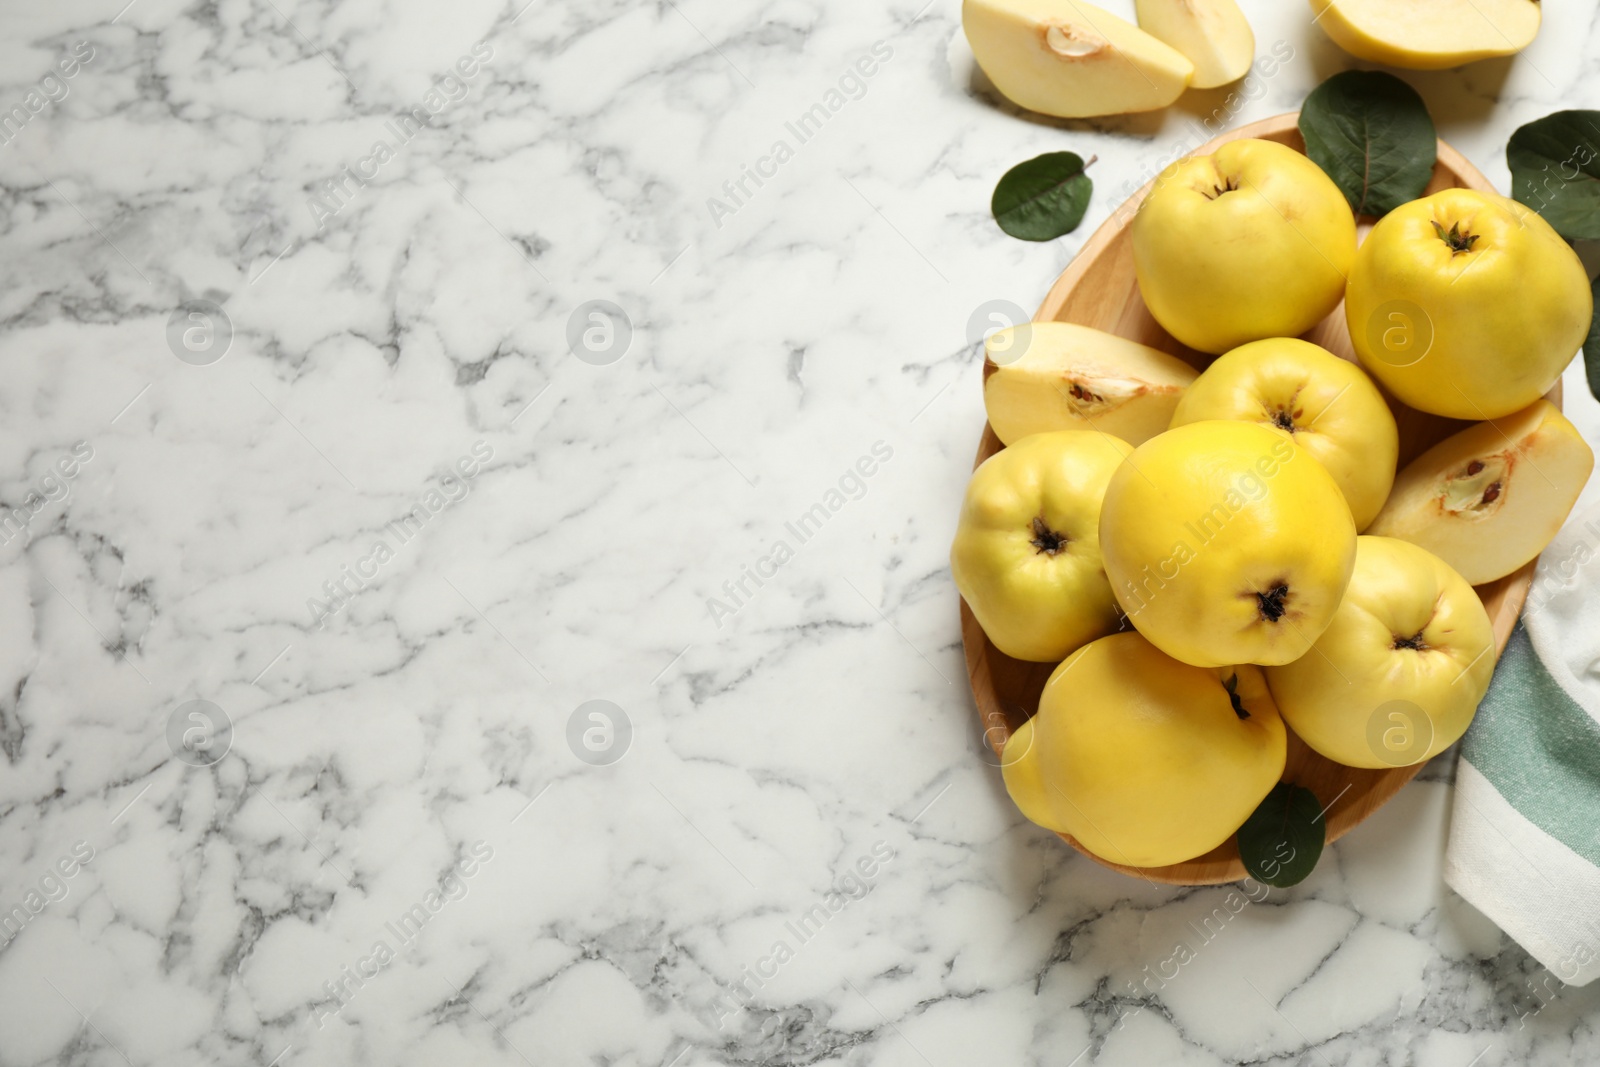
(1555, 169)
(1043, 198)
(1282, 839)
(1591, 347)
(1371, 133)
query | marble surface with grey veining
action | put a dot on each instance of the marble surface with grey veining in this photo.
(477, 482)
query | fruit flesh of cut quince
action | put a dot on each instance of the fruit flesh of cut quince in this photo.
(1488, 499)
(1071, 59)
(1214, 35)
(1072, 377)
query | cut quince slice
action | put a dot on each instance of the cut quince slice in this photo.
(1070, 59)
(1214, 35)
(1488, 499)
(1062, 376)
(1428, 34)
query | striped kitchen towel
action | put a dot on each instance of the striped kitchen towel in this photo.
(1525, 832)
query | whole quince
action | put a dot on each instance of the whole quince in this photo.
(1467, 304)
(1226, 542)
(1026, 556)
(1253, 241)
(1144, 760)
(1396, 677)
(1327, 405)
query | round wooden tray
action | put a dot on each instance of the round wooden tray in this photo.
(1099, 289)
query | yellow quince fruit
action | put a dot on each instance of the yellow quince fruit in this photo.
(1327, 405)
(1488, 499)
(1226, 542)
(1144, 760)
(1467, 304)
(1397, 676)
(1213, 34)
(1062, 376)
(1429, 34)
(1254, 241)
(1072, 59)
(1026, 556)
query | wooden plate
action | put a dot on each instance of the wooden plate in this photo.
(1099, 289)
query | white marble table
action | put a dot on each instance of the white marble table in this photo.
(295, 680)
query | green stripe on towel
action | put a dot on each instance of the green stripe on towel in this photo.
(1539, 749)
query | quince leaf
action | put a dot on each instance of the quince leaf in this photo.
(1371, 133)
(1043, 198)
(1282, 839)
(1555, 169)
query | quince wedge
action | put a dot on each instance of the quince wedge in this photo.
(1488, 499)
(1062, 376)
(1429, 34)
(1213, 34)
(1071, 59)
